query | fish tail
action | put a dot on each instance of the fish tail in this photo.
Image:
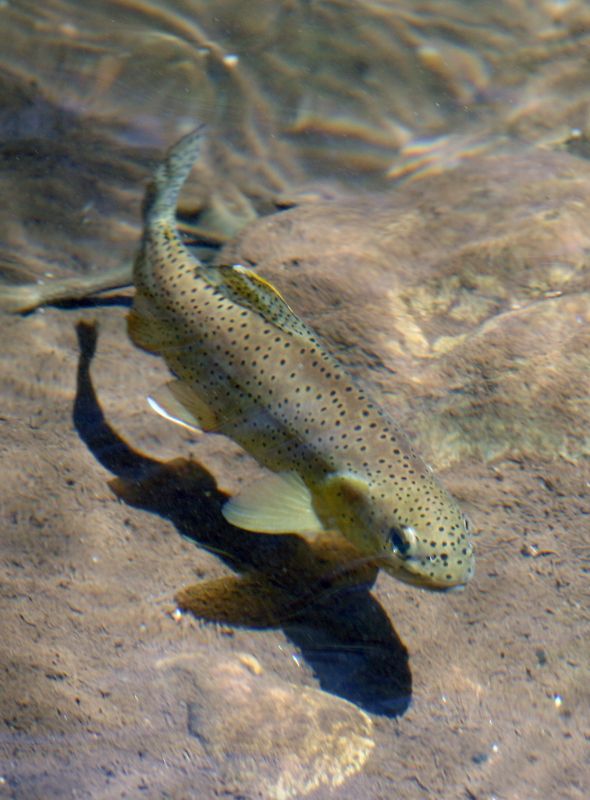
(162, 193)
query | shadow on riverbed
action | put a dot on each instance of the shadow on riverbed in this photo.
(318, 593)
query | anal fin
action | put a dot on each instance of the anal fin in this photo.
(142, 332)
(143, 327)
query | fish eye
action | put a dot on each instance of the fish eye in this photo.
(398, 541)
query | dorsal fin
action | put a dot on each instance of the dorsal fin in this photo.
(248, 289)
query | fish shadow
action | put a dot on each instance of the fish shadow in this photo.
(317, 592)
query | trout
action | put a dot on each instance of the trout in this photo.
(245, 365)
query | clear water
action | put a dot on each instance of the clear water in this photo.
(434, 158)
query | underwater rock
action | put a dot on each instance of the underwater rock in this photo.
(268, 738)
(465, 295)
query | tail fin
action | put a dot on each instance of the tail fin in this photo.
(162, 193)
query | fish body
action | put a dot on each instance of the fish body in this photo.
(247, 366)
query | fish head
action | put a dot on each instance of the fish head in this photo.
(417, 534)
(410, 555)
(426, 541)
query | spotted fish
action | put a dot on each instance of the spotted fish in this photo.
(247, 366)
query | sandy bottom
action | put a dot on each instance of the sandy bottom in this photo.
(478, 694)
(463, 297)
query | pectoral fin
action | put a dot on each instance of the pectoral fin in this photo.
(280, 503)
(180, 404)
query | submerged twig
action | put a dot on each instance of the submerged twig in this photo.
(19, 299)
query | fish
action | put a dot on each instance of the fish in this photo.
(245, 365)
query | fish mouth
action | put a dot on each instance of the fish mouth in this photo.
(401, 568)
(457, 587)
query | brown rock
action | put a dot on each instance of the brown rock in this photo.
(464, 295)
(266, 737)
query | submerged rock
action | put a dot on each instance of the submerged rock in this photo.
(466, 295)
(266, 737)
